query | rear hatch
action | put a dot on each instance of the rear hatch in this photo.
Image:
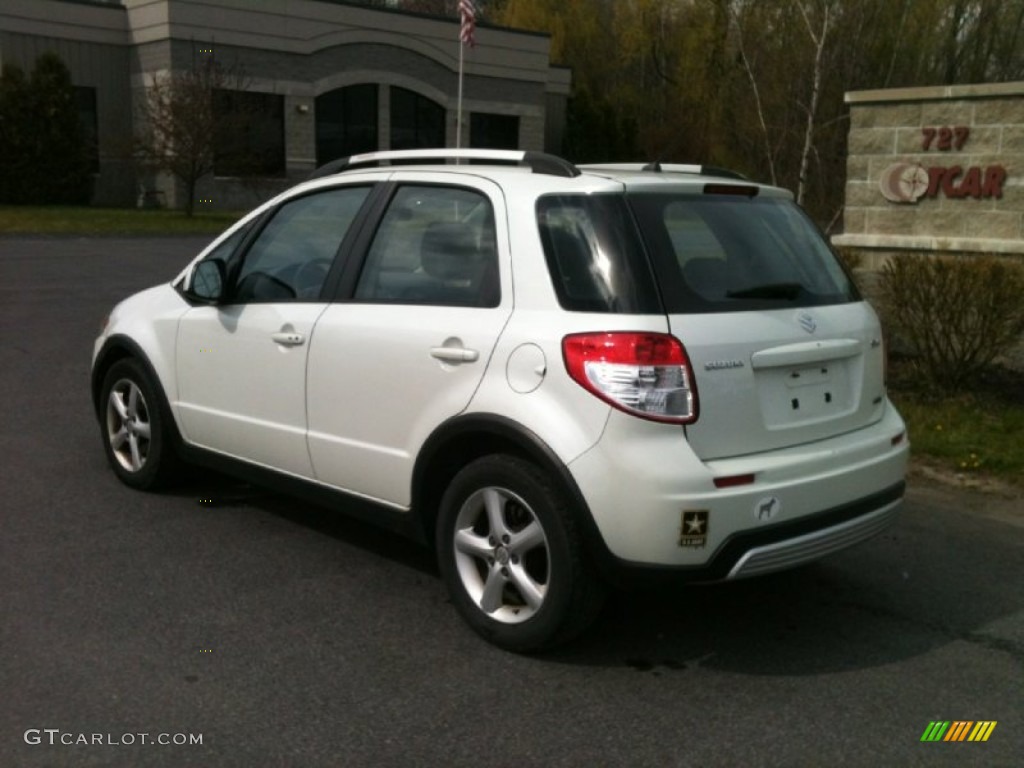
(783, 348)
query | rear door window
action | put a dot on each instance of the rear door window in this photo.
(728, 253)
(435, 245)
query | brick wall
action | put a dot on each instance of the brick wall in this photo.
(931, 139)
(952, 157)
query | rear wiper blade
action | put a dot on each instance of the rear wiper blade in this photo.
(768, 291)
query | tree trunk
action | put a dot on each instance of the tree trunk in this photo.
(812, 108)
(190, 191)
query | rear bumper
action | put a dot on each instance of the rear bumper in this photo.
(794, 550)
(823, 497)
(776, 548)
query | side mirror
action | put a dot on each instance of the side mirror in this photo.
(208, 281)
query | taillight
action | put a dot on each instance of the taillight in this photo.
(645, 374)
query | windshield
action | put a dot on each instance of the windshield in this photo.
(729, 253)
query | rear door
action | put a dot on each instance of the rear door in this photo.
(784, 350)
(408, 345)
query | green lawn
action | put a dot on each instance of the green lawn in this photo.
(969, 434)
(70, 220)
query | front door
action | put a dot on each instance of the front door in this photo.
(241, 366)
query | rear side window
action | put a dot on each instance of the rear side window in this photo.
(594, 255)
(730, 253)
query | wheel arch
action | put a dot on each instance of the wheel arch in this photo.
(118, 347)
(462, 439)
(114, 348)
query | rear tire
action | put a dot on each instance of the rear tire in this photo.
(511, 556)
(136, 428)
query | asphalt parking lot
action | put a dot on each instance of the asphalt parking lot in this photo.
(285, 636)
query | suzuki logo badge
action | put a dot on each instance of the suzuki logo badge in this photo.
(807, 322)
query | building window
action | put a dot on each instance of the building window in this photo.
(249, 137)
(416, 121)
(487, 131)
(88, 118)
(346, 122)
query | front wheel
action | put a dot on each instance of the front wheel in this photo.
(136, 432)
(511, 557)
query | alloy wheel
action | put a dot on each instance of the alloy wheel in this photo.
(128, 425)
(502, 555)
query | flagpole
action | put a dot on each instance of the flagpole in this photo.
(467, 22)
(458, 118)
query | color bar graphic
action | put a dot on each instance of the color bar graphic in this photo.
(982, 730)
(935, 730)
(959, 730)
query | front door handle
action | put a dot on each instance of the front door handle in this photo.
(455, 354)
(288, 338)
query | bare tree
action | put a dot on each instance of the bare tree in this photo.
(758, 106)
(757, 85)
(818, 37)
(180, 123)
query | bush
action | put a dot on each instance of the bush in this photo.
(851, 258)
(43, 148)
(956, 313)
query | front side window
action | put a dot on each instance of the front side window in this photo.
(290, 258)
(733, 252)
(435, 245)
(206, 282)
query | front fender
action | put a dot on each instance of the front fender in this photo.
(144, 326)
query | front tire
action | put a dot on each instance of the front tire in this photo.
(511, 557)
(135, 427)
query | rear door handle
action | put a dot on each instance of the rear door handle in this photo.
(288, 338)
(455, 354)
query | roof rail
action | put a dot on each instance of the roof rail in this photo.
(656, 167)
(538, 162)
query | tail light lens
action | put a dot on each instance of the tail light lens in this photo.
(644, 374)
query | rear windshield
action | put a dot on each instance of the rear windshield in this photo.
(729, 253)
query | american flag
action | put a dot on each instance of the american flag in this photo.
(467, 13)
